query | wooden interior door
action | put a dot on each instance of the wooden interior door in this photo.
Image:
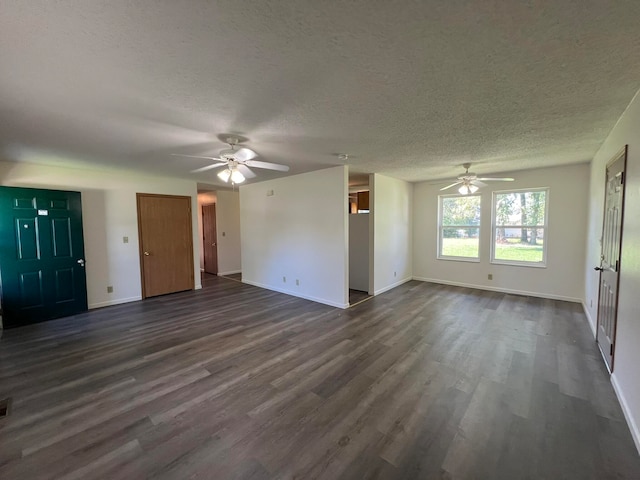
(610, 257)
(210, 239)
(41, 255)
(166, 244)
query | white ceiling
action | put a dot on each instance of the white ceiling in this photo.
(410, 89)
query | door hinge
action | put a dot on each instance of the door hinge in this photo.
(621, 178)
(611, 350)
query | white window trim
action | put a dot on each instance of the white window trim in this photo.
(453, 258)
(543, 263)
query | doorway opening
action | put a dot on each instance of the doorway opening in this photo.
(219, 231)
(360, 218)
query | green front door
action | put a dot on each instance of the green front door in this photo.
(41, 255)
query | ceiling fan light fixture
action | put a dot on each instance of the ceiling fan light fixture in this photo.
(224, 175)
(466, 189)
(237, 176)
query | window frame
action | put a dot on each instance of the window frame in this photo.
(441, 227)
(544, 227)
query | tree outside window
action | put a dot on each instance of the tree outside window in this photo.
(519, 227)
(459, 227)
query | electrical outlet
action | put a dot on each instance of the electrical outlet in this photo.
(284, 279)
(269, 193)
(297, 282)
(394, 274)
(109, 289)
(224, 234)
(125, 239)
(490, 276)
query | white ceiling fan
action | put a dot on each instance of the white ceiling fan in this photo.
(469, 182)
(237, 162)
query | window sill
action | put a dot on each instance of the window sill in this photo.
(518, 264)
(459, 259)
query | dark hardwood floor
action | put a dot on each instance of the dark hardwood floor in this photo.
(357, 296)
(232, 381)
(232, 276)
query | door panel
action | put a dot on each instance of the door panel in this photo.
(28, 242)
(610, 257)
(61, 237)
(40, 246)
(64, 280)
(209, 239)
(166, 244)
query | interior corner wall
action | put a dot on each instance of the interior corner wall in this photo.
(205, 198)
(296, 228)
(625, 378)
(560, 279)
(228, 232)
(392, 202)
(109, 213)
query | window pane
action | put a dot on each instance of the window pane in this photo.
(460, 242)
(461, 210)
(520, 208)
(519, 244)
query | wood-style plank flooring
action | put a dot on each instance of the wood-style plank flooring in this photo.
(232, 381)
(357, 296)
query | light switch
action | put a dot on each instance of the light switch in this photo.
(125, 239)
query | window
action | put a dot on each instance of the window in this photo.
(520, 227)
(459, 228)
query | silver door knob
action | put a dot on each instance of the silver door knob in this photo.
(81, 262)
(146, 254)
(213, 244)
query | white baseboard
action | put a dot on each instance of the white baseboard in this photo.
(230, 272)
(549, 296)
(633, 426)
(117, 301)
(299, 295)
(198, 286)
(589, 319)
(392, 286)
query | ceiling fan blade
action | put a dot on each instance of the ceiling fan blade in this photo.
(478, 183)
(209, 167)
(449, 186)
(196, 156)
(241, 154)
(268, 165)
(489, 179)
(246, 171)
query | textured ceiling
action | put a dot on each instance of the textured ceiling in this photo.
(410, 89)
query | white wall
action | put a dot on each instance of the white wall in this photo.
(391, 204)
(228, 232)
(359, 252)
(205, 198)
(626, 374)
(300, 232)
(109, 213)
(562, 277)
